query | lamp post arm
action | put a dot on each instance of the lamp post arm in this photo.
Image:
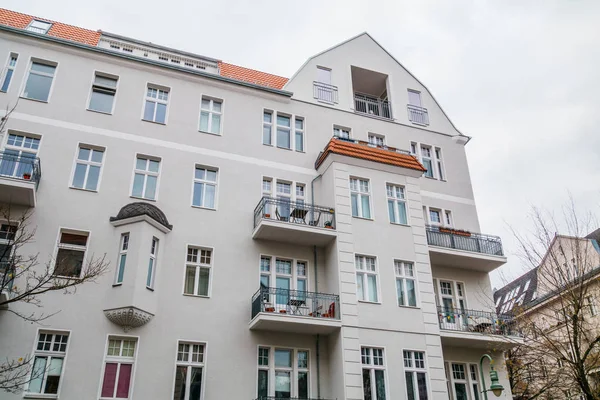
(485, 396)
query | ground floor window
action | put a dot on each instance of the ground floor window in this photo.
(373, 373)
(188, 374)
(463, 381)
(283, 373)
(415, 374)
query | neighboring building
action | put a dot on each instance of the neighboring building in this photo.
(198, 179)
(544, 301)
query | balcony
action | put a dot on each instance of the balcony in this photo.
(455, 248)
(19, 178)
(365, 104)
(325, 92)
(474, 328)
(417, 115)
(284, 310)
(283, 220)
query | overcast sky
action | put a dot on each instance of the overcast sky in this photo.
(521, 77)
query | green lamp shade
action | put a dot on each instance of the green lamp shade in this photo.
(495, 387)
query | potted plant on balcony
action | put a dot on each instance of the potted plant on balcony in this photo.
(27, 176)
(329, 224)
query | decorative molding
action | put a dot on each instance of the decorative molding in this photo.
(128, 317)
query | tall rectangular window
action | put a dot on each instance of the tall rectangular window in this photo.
(205, 187)
(268, 127)
(366, 278)
(48, 360)
(360, 198)
(152, 264)
(87, 167)
(70, 255)
(283, 131)
(415, 373)
(39, 80)
(188, 372)
(211, 111)
(396, 204)
(324, 75)
(118, 368)
(340, 132)
(441, 175)
(299, 134)
(474, 380)
(145, 180)
(9, 72)
(7, 237)
(426, 158)
(376, 140)
(123, 247)
(198, 271)
(287, 369)
(405, 283)
(414, 98)
(104, 90)
(20, 155)
(155, 107)
(373, 373)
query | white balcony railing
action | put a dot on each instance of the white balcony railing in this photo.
(325, 92)
(418, 115)
(372, 106)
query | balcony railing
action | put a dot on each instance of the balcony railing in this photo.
(295, 302)
(461, 240)
(464, 320)
(23, 167)
(294, 212)
(372, 106)
(325, 92)
(286, 398)
(418, 115)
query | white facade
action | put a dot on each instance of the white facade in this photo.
(220, 318)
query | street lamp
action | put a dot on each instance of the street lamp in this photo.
(495, 386)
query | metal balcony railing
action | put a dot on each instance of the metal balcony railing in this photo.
(418, 115)
(464, 320)
(372, 106)
(325, 92)
(461, 240)
(295, 302)
(286, 398)
(20, 166)
(294, 212)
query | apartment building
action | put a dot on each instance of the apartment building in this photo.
(310, 237)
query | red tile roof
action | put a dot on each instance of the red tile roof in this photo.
(252, 76)
(362, 150)
(59, 30)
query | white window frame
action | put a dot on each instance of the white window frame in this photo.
(417, 93)
(375, 137)
(152, 261)
(342, 131)
(293, 196)
(591, 305)
(59, 245)
(360, 194)
(22, 148)
(198, 265)
(156, 100)
(189, 365)
(372, 367)
(48, 354)
(294, 369)
(9, 67)
(439, 164)
(104, 87)
(294, 277)
(299, 130)
(88, 163)
(458, 293)
(211, 111)
(413, 370)
(123, 248)
(469, 382)
(119, 360)
(400, 271)
(362, 273)
(443, 213)
(206, 183)
(274, 126)
(397, 200)
(34, 60)
(436, 157)
(268, 124)
(47, 26)
(146, 172)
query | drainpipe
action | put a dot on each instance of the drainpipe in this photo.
(312, 201)
(318, 370)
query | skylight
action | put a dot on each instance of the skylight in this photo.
(38, 26)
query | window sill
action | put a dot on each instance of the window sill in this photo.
(284, 148)
(67, 277)
(36, 100)
(267, 144)
(154, 122)
(117, 284)
(409, 307)
(211, 133)
(83, 190)
(431, 177)
(300, 151)
(370, 302)
(196, 295)
(99, 112)
(399, 224)
(39, 396)
(142, 198)
(418, 123)
(363, 218)
(150, 289)
(204, 208)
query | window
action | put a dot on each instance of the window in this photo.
(20, 155)
(427, 161)
(360, 197)
(415, 374)
(285, 275)
(188, 373)
(152, 264)
(118, 368)
(71, 253)
(526, 285)
(7, 237)
(205, 187)
(324, 75)
(49, 356)
(299, 134)
(268, 128)
(592, 307)
(447, 218)
(283, 131)
(366, 278)
(104, 90)
(39, 80)
(211, 111)
(450, 297)
(38, 26)
(405, 283)
(377, 140)
(396, 204)
(123, 247)
(464, 379)
(340, 132)
(145, 181)
(288, 369)
(9, 72)
(198, 271)
(431, 158)
(155, 108)
(439, 164)
(87, 167)
(434, 217)
(474, 381)
(414, 98)
(373, 373)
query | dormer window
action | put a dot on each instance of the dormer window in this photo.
(37, 26)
